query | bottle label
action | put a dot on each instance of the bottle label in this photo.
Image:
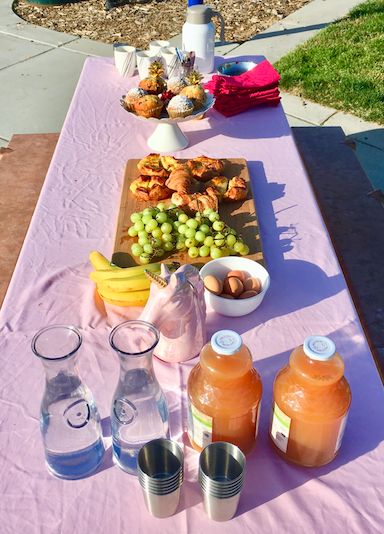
(341, 432)
(199, 426)
(280, 426)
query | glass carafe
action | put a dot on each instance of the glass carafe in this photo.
(139, 411)
(69, 419)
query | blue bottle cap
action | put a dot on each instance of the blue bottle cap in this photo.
(319, 348)
(226, 342)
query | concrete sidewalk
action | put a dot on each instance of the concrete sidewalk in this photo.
(39, 70)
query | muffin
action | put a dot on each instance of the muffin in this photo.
(195, 93)
(154, 84)
(131, 97)
(176, 84)
(148, 106)
(180, 106)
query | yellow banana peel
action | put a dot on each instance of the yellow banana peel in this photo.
(129, 298)
(131, 284)
(124, 304)
(100, 262)
(126, 272)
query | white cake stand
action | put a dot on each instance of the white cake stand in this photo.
(167, 136)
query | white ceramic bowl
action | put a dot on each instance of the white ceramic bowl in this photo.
(235, 307)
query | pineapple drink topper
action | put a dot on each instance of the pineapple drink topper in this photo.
(194, 77)
(156, 69)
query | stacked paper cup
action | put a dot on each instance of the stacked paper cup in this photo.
(125, 59)
(221, 477)
(160, 471)
(171, 60)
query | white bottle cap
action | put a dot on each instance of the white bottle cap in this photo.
(226, 342)
(319, 348)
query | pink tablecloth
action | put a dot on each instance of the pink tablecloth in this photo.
(77, 212)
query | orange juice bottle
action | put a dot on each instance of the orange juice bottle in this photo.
(311, 402)
(224, 393)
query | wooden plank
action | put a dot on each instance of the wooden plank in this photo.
(23, 167)
(239, 215)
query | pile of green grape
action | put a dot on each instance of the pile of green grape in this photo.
(164, 229)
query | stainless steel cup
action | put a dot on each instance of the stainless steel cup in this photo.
(221, 477)
(160, 471)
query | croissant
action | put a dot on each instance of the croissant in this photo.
(180, 180)
(197, 201)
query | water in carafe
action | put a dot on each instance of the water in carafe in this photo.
(139, 411)
(69, 419)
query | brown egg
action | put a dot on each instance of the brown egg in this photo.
(225, 296)
(248, 294)
(253, 284)
(213, 284)
(238, 274)
(233, 286)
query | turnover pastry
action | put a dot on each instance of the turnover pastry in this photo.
(169, 163)
(219, 184)
(237, 189)
(150, 188)
(232, 190)
(152, 165)
(204, 168)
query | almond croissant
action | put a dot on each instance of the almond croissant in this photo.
(197, 201)
(180, 180)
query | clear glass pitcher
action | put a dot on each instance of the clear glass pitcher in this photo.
(139, 410)
(69, 419)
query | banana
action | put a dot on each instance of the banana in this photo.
(121, 286)
(124, 298)
(125, 272)
(124, 304)
(134, 283)
(100, 262)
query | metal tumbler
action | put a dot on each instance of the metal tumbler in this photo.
(221, 477)
(160, 471)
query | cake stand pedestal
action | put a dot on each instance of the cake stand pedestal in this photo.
(167, 137)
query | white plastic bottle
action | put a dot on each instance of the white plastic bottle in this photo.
(198, 35)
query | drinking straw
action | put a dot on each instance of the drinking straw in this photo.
(179, 55)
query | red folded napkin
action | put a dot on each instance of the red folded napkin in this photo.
(235, 94)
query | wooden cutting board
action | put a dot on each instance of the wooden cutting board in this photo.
(240, 215)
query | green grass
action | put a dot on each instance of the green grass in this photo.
(343, 65)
